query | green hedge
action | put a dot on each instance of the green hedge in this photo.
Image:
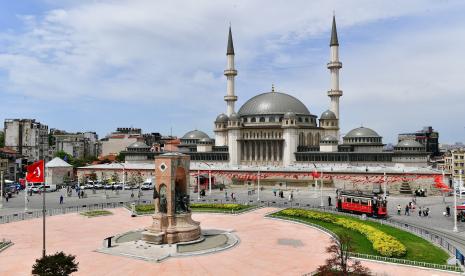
(386, 245)
(96, 213)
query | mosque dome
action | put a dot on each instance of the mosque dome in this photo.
(138, 145)
(329, 139)
(206, 141)
(273, 103)
(361, 132)
(328, 115)
(234, 117)
(222, 118)
(195, 134)
(409, 144)
(289, 115)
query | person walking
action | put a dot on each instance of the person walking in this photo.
(329, 201)
(407, 209)
(399, 209)
(61, 199)
(225, 194)
(448, 211)
(419, 211)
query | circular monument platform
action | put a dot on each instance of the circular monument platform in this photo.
(132, 245)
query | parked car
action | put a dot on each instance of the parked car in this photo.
(118, 186)
(147, 186)
(98, 185)
(108, 186)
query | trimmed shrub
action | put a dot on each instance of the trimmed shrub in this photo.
(384, 244)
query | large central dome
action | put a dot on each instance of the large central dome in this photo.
(273, 103)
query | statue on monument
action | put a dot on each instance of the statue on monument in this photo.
(156, 200)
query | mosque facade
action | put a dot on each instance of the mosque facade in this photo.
(277, 129)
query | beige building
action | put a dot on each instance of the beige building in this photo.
(454, 161)
(118, 141)
(79, 145)
(58, 171)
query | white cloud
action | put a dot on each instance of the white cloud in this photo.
(174, 52)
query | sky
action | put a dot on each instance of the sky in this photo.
(93, 65)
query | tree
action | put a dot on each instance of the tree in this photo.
(338, 263)
(120, 157)
(2, 139)
(65, 156)
(58, 264)
(115, 177)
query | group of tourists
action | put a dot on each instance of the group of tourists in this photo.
(280, 193)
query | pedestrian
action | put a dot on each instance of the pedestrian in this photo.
(419, 211)
(6, 197)
(225, 194)
(399, 209)
(448, 211)
(274, 192)
(329, 201)
(232, 196)
(79, 193)
(407, 208)
(61, 199)
(292, 195)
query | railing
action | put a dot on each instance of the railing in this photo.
(60, 211)
(4, 244)
(405, 262)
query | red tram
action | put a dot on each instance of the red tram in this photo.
(357, 202)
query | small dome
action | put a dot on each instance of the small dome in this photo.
(409, 144)
(234, 117)
(328, 115)
(195, 134)
(222, 118)
(205, 141)
(289, 115)
(138, 145)
(361, 132)
(329, 138)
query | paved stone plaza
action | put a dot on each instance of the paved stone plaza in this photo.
(267, 247)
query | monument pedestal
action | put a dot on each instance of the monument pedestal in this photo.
(172, 229)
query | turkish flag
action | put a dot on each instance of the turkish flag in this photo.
(315, 174)
(35, 172)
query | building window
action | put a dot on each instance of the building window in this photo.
(271, 119)
(300, 119)
(253, 120)
(262, 119)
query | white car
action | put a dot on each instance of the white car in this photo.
(147, 186)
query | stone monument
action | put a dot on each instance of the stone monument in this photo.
(172, 222)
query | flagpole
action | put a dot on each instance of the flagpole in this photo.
(25, 193)
(258, 180)
(43, 214)
(321, 189)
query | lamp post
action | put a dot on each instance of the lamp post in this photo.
(209, 178)
(321, 189)
(384, 182)
(443, 192)
(1, 189)
(25, 193)
(198, 184)
(455, 206)
(258, 182)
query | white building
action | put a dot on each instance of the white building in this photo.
(58, 171)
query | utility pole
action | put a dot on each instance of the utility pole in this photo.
(1, 189)
(455, 206)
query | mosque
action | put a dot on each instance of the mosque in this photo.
(277, 129)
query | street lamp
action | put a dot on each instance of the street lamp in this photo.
(198, 184)
(1, 189)
(258, 182)
(455, 206)
(209, 178)
(321, 189)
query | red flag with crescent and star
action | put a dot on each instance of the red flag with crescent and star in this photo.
(35, 172)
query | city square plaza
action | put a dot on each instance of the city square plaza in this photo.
(266, 247)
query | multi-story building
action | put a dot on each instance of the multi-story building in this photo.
(9, 164)
(118, 141)
(427, 137)
(79, 145)
(28, 138)
(454, 161)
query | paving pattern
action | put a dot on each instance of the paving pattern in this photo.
(267, 247)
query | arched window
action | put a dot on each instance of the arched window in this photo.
(300, 119)
(306, 120)
(253, 120)
(310, 139)
(280, 119)
(262, 119)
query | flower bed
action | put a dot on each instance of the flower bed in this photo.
(386, 245)
(201, 207)
(96, 213)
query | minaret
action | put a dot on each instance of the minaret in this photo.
(230, 74)
(334, 65)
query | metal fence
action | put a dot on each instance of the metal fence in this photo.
(64, 210)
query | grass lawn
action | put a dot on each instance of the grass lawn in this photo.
(418, 249)
(201, 207)
(96, 213)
